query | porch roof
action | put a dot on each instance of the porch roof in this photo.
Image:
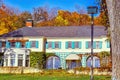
(73, 57)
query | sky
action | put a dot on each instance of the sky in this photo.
(28, 5)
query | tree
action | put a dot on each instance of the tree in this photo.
(38, 59)
(23, 17)
(8, 19)
(105, 58)
(113, 7)
(39, 14)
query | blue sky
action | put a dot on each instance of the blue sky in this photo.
(63, 4)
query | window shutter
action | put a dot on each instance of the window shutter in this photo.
(73, 45)
(94, 44)
(80, 45)
(59, 45)
(108, 44)
(100, 45)
(37, 44)
(28, 44)
(17, 44)
(86, 44)
(47, 45)
(53, 45)
(0, 44)
(66, 45)
(7, 44)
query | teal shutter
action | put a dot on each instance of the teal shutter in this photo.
(100, 45)
(66, 45)
(47, 45)
(53, 45)
(7, 44)
(94, 44)
(73, 45)
(0, 44)
(86, 44)
(17, 44)
(59, 45)
(108, 44)
(37, 44)
(80, 45)
(84, 61)
(28, 44)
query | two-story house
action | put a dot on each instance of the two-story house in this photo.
(70, 44)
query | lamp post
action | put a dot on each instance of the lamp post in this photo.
(92, 10)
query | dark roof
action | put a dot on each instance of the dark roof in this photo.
(70, 31)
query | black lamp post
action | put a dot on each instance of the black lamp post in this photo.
(92, 10)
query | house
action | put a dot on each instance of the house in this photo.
(70, 45)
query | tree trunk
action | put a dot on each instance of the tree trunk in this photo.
(114, 17)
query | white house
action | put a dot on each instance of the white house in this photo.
(70, 44)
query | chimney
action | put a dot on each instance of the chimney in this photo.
(29, 23)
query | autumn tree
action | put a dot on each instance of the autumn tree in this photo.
(39, 14)
(8, 19)
(22, 17)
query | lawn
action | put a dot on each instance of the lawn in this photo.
(50, 75)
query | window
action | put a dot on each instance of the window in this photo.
(78, 44)
(96, 44)
(20, 59)
(88, 44)
(58, 44)
(49, 44)
(6, 59)
(70, 44)
(3, 44)
(27, 61)
(33, 44)
(12, 44)
(53, 45)
(12, 59)
(73, 44)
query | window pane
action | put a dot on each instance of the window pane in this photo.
(20, 56)
(56, 44)
(12, 61)
(69, 44)
(77, 44)
(12, 56)
(20, 62)
(49, 44)
(89, 44)
(27, 63)
(33, 44)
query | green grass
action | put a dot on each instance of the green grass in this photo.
(50, 75)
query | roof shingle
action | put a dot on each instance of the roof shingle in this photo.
(70, 31)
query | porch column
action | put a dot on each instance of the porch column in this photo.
(16, 60)
(9, 60)
(84, 60)
(24, 60)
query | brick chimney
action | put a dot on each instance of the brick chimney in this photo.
(29, 23)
